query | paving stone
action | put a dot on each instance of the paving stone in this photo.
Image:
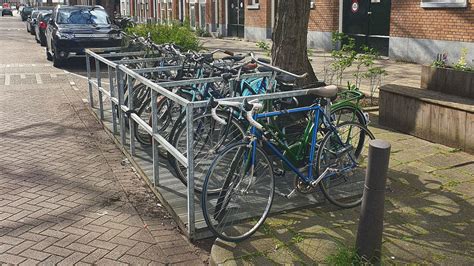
(14, 259)
(59, 170)
(35, 254)
(72, 259)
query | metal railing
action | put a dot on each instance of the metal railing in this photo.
(116, 70)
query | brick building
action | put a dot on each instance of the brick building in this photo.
(409, 30)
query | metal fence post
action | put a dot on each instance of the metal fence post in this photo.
(99, 84)
(121, 97)
(154, 142)
(131, 123)
(112, 95)
(369, 232)
(88, 66)
(190, 170)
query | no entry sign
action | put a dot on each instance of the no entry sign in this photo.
(355, 6)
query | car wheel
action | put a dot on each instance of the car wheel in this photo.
(48, 55)
(57, 62)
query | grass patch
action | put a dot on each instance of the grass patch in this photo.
(345, 256)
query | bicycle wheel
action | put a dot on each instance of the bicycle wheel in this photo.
(144, 112)
(344, 151)
(246, 187)
(347, 114)
(210, 138)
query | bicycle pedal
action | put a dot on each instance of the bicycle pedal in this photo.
(279, 172)
(292, 194)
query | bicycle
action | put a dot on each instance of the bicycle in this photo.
(238, 189)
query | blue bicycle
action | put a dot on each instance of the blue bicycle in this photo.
(238, 189)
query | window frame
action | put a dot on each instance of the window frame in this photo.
(443, 4)
(253, 4)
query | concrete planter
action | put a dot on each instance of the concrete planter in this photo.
(448, 80)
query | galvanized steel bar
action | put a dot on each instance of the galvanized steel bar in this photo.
(104, 91)
(190, 169)
(88, 66)
(157, 69)
(123, 54)
(168, 94)
(154, 126)
(100, 58)
(131, 123)
(112, 95)
(119, 81)
(189, 82)
(141, 60)
(99, 84)
(104, 49)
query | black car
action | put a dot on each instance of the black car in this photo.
(25, 12)
(7, 11)
(71, 29)
(40, 27)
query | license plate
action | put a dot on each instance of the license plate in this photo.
(96, 35)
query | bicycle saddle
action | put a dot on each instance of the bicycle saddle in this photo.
(284, 78)
(326, 91)
(264, 69)
(235, 58)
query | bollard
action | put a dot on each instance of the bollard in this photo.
(369, 232)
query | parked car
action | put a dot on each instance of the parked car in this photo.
(34, 16)
(40, 28)
(30, 21)
(26, 12)
(7, 11)
(71, 29)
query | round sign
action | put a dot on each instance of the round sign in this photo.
(355, 6)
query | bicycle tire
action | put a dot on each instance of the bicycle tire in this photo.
(337, 187)
(249, 212)
(233, 132)
(347, 113)
(163, 121)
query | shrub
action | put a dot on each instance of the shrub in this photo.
(168, 33)
(201, 32)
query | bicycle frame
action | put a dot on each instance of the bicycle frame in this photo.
(319, 114)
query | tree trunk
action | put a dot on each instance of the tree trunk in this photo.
(290, 36)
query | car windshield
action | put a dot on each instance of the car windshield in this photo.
(46, 17)
(83, 16)
(34, 14)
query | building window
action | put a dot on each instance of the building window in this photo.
(192, 16)
(253, 4)
(443, 3)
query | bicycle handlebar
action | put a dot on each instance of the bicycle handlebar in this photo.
(249, 107)
(277, 69)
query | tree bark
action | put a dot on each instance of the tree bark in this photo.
(290, 36)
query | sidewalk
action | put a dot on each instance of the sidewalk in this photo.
(397, 72)
(428, 219)
(66, 195)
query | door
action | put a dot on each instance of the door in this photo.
(236, 18)
(368, 22)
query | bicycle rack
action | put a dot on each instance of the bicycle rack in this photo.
(115, 92)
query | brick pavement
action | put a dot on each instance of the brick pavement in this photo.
(66, 195)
